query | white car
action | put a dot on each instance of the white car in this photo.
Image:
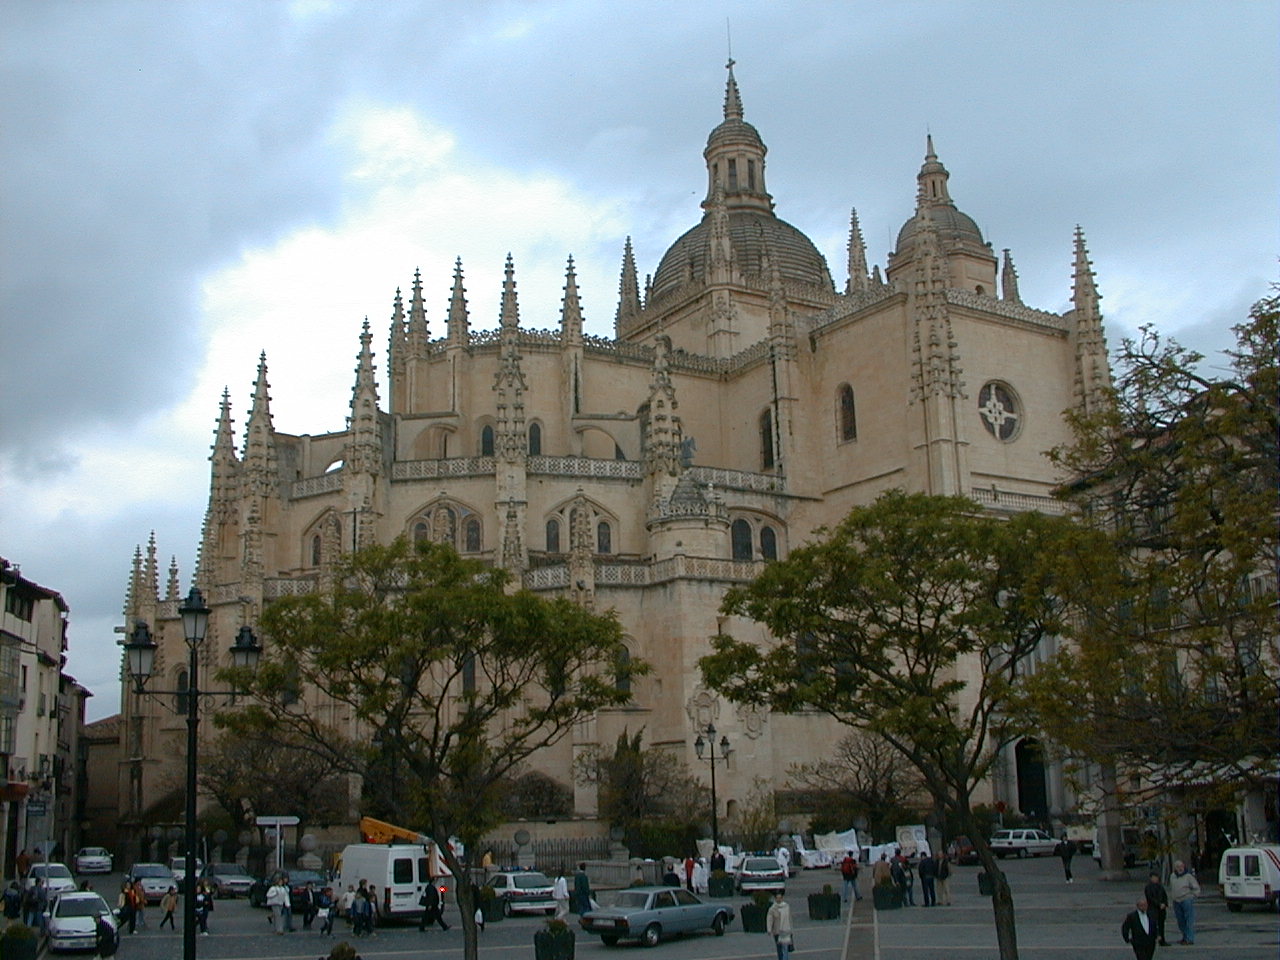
(761, 873)
(523, 891)
(1022, 843)
(93, 860)
(56, 877)
(156, 879)
(179, 867)
(71, 920)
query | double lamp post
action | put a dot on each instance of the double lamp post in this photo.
(140, 652)
(700, 747)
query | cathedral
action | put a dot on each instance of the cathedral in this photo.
(744, 401)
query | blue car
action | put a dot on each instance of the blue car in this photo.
(648, 914)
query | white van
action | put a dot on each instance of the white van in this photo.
(1250, 875)
(400, 871)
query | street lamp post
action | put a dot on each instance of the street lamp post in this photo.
(699, 746)
(140, 652)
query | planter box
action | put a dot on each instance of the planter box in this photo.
(720, 886)
(15, 948)
(491, 910)
(753, 918)
(824, 906)
(986, 887)
(886, 898)
(553, 945)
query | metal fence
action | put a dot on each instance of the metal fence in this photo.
(550, 855)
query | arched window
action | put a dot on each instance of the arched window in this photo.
(471, 535)
(419, 532)
(469, 673)
(486, 441)
(604, 538)
(553, 535)
(535, 440)
(768, 543)
(848, 415)
(315, 550)
(766, 439)
(622, 679)
(180, 704)
(740, 537)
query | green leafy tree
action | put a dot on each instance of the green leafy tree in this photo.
(439, 662)
(1172, 679)
(913, 621)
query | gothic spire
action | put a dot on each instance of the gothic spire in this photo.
(628, 292)
(260, 439)
(571, 310)
(858, 276)
(459, 325)
(418, 334)
(151, 575)
(732, 98)
(510, 316)
(398, 340)
(1093, 371)
(172, 590)
(365, 448)
(1009, 279)
(133, 596)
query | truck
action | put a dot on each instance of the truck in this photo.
(398, 861)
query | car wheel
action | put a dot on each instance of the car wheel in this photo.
(506, 909)
(609, 939)
(1022, 853)
(652, 934)
(717, 925)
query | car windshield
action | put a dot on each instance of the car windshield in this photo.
(93, 852)
(51, 870)
(527, 881)
(631, 901)
(80, 907)
(764, 863)
(300, 878)
(228, 870)
(151, 870)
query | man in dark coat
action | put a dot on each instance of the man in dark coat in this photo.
(1157, 903)
(1139, 931)
(431, 908)
(928, 871)
(581, 890)
(1066, 849)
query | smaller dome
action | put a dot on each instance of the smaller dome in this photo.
(734, 132)
(952, 225)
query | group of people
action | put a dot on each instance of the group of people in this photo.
(131, 906)
(1144, 927)
(934, 873)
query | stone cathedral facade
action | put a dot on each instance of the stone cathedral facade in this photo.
(744, 400)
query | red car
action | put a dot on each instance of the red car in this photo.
(961, 851)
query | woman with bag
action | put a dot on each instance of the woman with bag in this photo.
(778, 925)
(124, 907)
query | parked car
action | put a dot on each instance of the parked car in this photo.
(228, 879)
(56, 877)
(297, 881)
(760, 873)
(179, 867)
(523, 891)
(156, 879)
(1022, 843)
(93, 860)
(962, 851)
(651, 913)
(71, 920)
(1130, 845)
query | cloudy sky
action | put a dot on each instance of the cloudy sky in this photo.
(184, 185)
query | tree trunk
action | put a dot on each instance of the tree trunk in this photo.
(1111, 850)
(1002, 895)
(466, 903)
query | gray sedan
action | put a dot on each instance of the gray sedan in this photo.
(651, 913)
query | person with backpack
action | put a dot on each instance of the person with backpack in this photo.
(849, 873)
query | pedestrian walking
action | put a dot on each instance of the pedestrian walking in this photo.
(307, 904)
(361, 914)
(169, 903)
(124, 907)
(849, 874)
(1183, 890)
(1139, 931)
(432, 908)
(139, 896)
(1066, 849)
(560, 894)
(944, 878)
(325, 909)
(204, 907)
(23, 864)
(12, 901)
(277, 903)
(778, 925)
(106, 938)
(581, 890)
(1157, 904)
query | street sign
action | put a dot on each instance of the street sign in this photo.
(276, 821)
(36, 808)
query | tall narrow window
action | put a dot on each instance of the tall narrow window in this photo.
(768, 543)
(315, 550)
(472, 535)
(751, 174)
(733, 176)
(848, 415)
(419, 532)
(553, 535)
(486, 442)
(740, 538)
(180, 701)
(469, 673)
(766, 440)
(535, 440)
(604, 538)
(622, 679)
(444, 445)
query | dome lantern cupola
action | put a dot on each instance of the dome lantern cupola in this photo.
(735, 157)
